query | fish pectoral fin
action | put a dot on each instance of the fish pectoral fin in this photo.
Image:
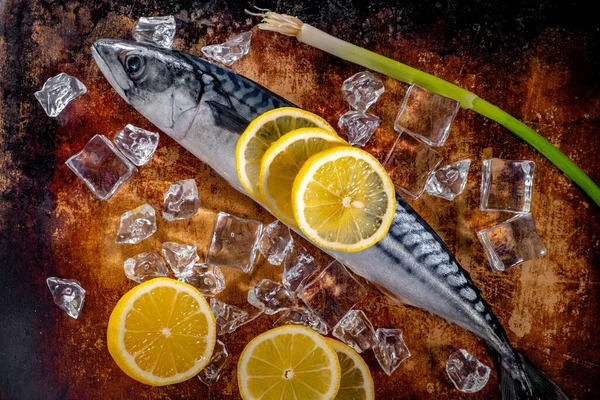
(226, 117)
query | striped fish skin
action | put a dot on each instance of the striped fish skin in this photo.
(413, 264)
(206, 107)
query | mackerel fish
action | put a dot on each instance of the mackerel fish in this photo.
(205, 108)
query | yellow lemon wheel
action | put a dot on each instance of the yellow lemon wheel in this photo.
(289, 362)
(162, 332)
(356, 382)
(261, 133)
(343, 199)
(282, 162)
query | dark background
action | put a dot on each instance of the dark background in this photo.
(539, 60)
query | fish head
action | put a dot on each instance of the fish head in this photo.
(159, 83)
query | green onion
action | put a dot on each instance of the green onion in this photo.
(311, 36)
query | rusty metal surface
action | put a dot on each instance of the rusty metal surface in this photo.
(538, 60)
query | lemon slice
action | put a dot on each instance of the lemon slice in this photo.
(356, 382)
(343, 199)
(289, 362)
(161, 332)
(282, 162)
(261, 133)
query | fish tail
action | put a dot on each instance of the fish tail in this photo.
(521, 379)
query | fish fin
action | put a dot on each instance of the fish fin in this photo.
(226, 117)
(521, 379)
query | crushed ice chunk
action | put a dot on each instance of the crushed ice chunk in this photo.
(506, 185)
(362, 90)
(359, 127)
(58, 92)
(426, 115)
(276, 242)
(208, 279)
(298, 269)
(355, 330)
(234, 242)
(212, 372)
(67, 294)
(467, 373)
(271, 297)
(181, 200)
(390, 349)
(232, 50)
(449, 181)
(332, 293)
(302, 316)
(137, 144)
(137, 225)
(101, 167)
(159, 31)
(410, 163)
(145, 266)
(179, 256)
(228, 317)
(512, 242)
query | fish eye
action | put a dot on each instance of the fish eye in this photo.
(134, 64)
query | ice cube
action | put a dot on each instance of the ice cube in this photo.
(355, 330)
(506, 185)
(271, 297)
(208, 279)
(302, 316)
(137, 225)
(449, 181)
(232, 50)
(145, 266)
(212, 372)
(67, 294)
(467, 373)
(179, 256)
(137, 144)
(58, 92)
(101, 167)
(234, 242)
(390, 349)
(298, 269)
(410, 163)
(358, 126)
(332, 293)
(181, 200)
(228, 317)
(362, 90)
(276, 242)
(159, 31)
(426, 115)
(512, 242)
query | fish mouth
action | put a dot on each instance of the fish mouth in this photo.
(105, 53)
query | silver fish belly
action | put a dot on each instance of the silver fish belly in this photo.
(206, 108)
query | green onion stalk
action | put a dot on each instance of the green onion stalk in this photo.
(292, 26)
